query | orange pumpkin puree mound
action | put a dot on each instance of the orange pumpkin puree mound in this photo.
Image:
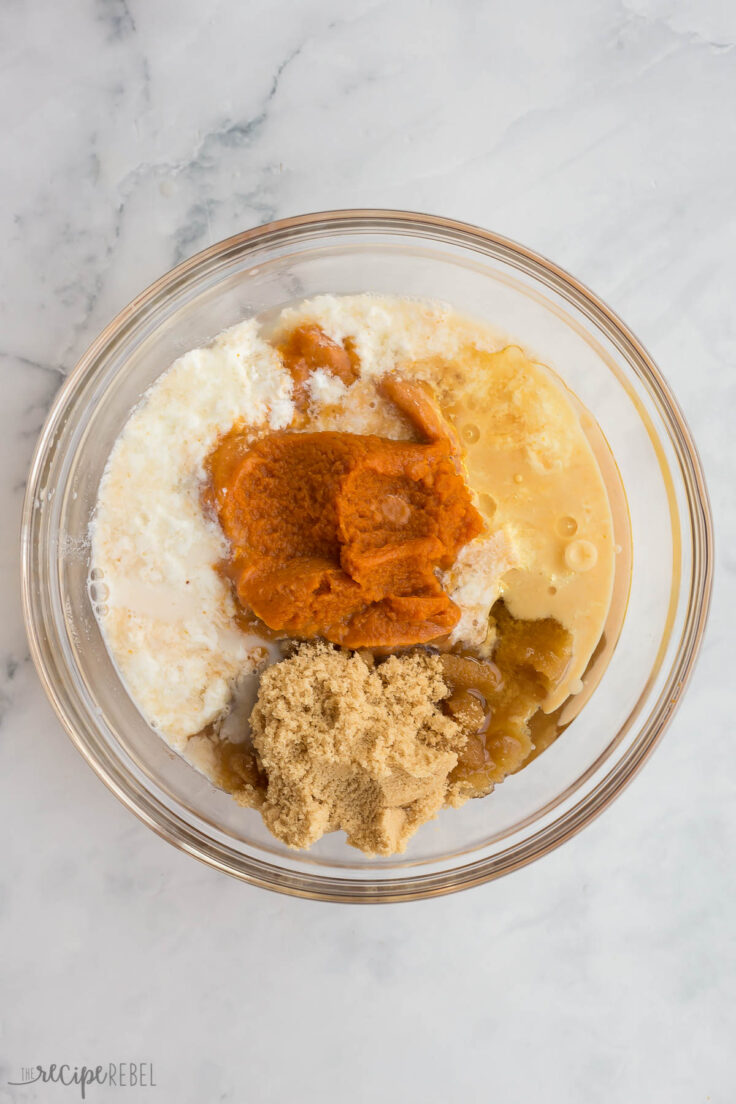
(338, 535)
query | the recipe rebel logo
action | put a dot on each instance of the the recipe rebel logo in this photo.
(115, 1075)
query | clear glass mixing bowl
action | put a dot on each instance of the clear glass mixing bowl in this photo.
(541, 308)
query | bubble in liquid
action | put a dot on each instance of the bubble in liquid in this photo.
(101, 610)
(518, 478)
(581, 555)
(470, 433)
(552, 590)
(487, 504)
(567, 527)
(98, 592)
(97, 573)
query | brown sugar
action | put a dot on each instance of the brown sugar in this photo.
(376, 746)
(338, 535)
(349, 746)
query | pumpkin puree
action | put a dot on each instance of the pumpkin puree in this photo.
(307, 348)
(338, 535)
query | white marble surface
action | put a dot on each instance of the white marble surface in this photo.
(602, 134)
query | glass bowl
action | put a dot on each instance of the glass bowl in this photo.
(541, 308)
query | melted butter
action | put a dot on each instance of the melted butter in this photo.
(532, 457)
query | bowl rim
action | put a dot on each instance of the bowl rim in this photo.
(314, 885)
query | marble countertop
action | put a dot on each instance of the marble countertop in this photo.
(604, 136)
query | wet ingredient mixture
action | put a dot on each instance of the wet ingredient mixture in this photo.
(381, 549)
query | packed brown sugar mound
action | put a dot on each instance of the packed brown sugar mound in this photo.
(376, 748)
(349, 746)
(338, 535)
